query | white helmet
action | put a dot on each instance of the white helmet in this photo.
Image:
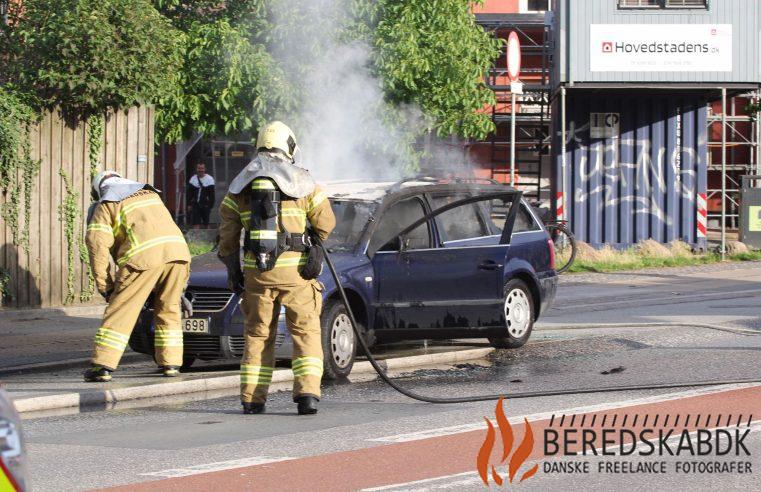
(277, 136)
(98, 180)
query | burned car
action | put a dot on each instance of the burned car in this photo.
(482, 269)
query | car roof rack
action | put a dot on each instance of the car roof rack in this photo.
(424, 178)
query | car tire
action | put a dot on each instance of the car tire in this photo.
(519, 316)
(339, 344)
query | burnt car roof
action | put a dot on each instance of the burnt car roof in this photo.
(377, 191)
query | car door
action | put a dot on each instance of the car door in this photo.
(393, 284)
(454, 285)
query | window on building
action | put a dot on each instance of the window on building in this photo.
(661, 4)
(537, 5)
(639, 4)
(686, 4)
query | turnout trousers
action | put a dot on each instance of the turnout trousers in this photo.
(131, 289)
(261, 308)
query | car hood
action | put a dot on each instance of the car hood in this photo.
(207, 271)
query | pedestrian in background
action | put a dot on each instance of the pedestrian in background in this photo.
(201, 196)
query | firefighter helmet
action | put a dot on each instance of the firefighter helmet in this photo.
(98, 180)
(277, 136)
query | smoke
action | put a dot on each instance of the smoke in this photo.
(345, 128)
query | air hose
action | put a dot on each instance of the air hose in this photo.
(526, 394)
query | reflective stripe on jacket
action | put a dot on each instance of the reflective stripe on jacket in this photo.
(137, 232)
(235, 212)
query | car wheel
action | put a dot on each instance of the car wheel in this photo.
(519, 316)
(339, 345)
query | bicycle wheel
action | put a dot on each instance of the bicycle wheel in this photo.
(565, 246)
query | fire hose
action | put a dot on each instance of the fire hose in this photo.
(526, 394)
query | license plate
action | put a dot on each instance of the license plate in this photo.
(196, 325)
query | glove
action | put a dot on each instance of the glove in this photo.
(187, 307)
(107, 294)
(234, 273)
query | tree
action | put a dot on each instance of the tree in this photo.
(434, 54)
(88, 56)
(228, 85)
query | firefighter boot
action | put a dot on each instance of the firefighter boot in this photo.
(97, 374)
(170, 371)
(307, 404)
(252, 408)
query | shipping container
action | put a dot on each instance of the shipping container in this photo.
(664, 41)
(635, 166)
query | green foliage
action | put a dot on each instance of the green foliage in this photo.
(70, 215)
(434, 54)
(94, 141)
(6, 282)
(239, 13)
(17, 169)
(200, 247)
(88, 56)
(228, 85)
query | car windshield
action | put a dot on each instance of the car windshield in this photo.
(351, 220)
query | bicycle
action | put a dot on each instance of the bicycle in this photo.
(565, 243)
(562, 238)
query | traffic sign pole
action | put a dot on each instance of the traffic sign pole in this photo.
(513, 71)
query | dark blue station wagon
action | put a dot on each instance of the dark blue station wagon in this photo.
(483, 269)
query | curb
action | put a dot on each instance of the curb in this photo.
(89, 310)
(89, 398)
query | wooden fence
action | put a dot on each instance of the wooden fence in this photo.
(39, 277)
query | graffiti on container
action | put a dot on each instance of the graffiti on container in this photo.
(599, 170)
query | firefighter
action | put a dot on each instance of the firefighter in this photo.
(130, 224)
(278, 205)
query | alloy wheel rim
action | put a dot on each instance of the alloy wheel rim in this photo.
(517, 313)
(342, 340)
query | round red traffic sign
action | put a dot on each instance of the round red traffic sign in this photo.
(513, 56)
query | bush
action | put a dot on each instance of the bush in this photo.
(89, 56)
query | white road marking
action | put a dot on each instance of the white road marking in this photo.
(213, 467)
(458, 429)
(466, 478)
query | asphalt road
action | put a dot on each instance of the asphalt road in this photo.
(366, 436)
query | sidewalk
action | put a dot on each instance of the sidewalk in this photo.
(65, 389)
(33, 337)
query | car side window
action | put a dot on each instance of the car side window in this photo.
(524, 221)
(397, 218)
(463, 222)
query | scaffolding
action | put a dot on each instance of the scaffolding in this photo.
(532, 118)
(733, 151)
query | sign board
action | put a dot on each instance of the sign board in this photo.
(754, 219)
(513, 56)
(604, 125)
(660, 47)
(516, 87)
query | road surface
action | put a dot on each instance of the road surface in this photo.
(368, 437)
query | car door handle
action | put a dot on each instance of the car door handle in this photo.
(489, 265)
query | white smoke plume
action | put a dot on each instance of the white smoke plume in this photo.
(344, 127)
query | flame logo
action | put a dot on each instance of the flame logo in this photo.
(521, 454)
